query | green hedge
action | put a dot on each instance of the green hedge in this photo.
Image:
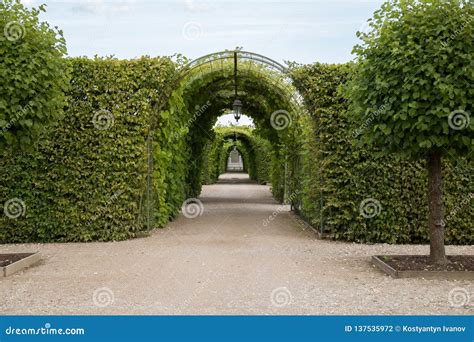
(338, 175)
(255, 151)
(84, 183)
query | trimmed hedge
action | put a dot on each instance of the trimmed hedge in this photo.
(83, 183)
(255, 151)
(338, 175)
(88, 179)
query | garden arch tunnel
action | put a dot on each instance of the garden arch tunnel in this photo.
(247, 148)
(202, 90)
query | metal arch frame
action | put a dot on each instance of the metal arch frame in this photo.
(229, 54)
(296, 99)
(180, 74)
(239, 136)
(259, 59)
(282, 84)
(246, 74)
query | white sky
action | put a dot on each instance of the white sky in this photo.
(228, 120)
(301, 30)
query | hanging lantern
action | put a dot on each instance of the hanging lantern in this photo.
(237, 106)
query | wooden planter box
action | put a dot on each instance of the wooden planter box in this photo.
(23, 261)
(378, 261)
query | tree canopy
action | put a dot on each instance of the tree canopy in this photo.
(413, 78)
(34, 74)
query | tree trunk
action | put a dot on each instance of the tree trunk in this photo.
(436, 210)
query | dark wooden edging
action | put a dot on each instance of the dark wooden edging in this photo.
(20, 264)
(450, 275)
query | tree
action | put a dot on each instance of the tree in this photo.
(33, 75)
(413, 79)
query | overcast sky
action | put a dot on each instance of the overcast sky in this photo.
(301, 30)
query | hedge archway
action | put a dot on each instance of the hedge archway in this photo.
(203, 91)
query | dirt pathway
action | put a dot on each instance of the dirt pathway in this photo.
(229, 260)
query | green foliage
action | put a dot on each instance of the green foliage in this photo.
(87, 178)
(414, 69)
(263, 150)
(85, 183)
(172, 160)
(119, 161)
(337, 174)
(33, 75)
(208, 89)
(255, 151)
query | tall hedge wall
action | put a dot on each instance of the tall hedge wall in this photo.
(83, 183)
(337, 175)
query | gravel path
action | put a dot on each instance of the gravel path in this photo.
(230, 260)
